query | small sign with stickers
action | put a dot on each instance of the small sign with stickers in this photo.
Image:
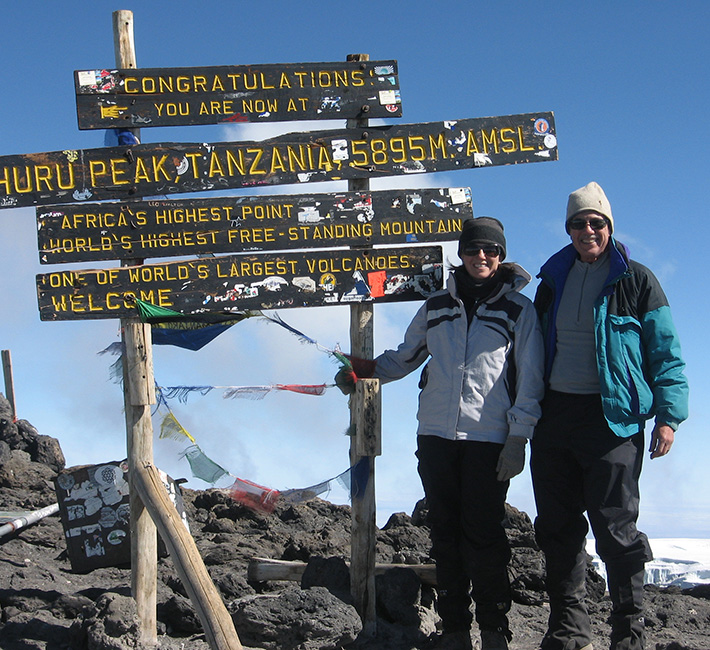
(144, 97)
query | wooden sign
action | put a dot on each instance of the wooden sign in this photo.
(139, 230)
(244, 282)
(137, 98)
(118, 173)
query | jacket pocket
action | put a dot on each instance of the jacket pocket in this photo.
(486, 361)
(424, 377)
(626, 363)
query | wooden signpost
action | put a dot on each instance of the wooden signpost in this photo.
(143, 229)
(138, 398)
(337, 261)
(109, 99)
(119, 173)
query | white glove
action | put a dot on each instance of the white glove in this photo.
(512, 458)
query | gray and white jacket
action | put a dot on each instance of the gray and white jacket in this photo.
(482, 382)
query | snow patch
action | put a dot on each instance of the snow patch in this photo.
(680, 562)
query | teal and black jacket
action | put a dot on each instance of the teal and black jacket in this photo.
(637, 347)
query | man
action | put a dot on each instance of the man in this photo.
(612, 361)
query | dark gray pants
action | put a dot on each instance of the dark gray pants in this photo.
(578, 464)
(466, 511)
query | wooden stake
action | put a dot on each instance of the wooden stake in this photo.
(138, 395)
(363, 529)
(9, 383)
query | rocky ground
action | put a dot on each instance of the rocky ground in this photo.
(45, 605)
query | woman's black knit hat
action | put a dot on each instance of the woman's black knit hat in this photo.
(482, 230)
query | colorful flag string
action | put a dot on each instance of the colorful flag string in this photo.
(246, 492)
(242, 490)
(181, 393)
(194, 331)
(148, 314)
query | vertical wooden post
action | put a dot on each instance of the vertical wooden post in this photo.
(363, 529)
(138, 395)
(9, 383)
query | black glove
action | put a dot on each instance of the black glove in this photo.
(512, 458)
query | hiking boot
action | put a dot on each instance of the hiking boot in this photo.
(493, 640)
(459, 640)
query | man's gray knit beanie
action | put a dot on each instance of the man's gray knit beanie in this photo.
(590, 197)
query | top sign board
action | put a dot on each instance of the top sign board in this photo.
(117, 173)
(137, 98)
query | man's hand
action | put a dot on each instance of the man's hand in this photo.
(512, 458)
(661, 440)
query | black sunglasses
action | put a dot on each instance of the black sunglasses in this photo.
(491, 250)
(596, 223)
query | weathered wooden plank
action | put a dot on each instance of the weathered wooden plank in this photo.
(118, 173)
(130, 230)
(261, 569)
(146, 97)
(367, 403)
(204, 596)
(242, 282)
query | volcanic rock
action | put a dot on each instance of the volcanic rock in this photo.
(44, 605)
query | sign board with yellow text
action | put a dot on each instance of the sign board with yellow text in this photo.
(120, 173)
(143, 97)
(143, 229)
(244, 282)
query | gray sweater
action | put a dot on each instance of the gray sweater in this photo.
(575, 367)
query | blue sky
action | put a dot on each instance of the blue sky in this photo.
(628, 83)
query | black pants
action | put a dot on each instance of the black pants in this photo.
(466, 511)
(578, 464)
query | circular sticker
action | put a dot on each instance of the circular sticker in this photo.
(542, 126)
(550, 141)
(107, 475)
(66, 481)
(327, 281)
(116, 536)
(107, 517)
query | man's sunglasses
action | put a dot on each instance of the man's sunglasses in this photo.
(596, 223)
(490, 250)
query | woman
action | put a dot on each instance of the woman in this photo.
(479, 402)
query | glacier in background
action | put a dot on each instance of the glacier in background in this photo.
(680, 562)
